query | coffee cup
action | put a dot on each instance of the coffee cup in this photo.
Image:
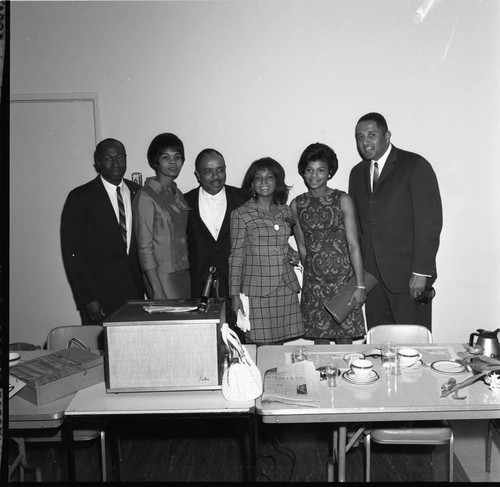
(14, 358)
(408, 356)
(361, 368)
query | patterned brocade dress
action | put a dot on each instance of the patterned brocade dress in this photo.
(327, 267)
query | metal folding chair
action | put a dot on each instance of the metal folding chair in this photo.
(60, 338)
(427, 434)
(493, 424)
(400, 334)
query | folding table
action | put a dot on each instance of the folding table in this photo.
(414, 395)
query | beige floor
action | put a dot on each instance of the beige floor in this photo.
(470, 448)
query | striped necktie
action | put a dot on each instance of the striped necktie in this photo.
(375, 175)
(121, 210)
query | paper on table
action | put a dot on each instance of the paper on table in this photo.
(243, 322)
(15, 385)
(296, 384)
(168, 309)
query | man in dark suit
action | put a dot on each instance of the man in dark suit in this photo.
(399, 211)
(208, 224)
(98, 244)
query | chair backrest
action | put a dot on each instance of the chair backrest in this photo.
(401, 334)
(91, 335)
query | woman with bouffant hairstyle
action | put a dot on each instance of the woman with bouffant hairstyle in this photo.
(160, 221)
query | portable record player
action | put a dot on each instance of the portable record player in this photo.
(164, 345)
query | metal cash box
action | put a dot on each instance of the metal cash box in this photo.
(58, 374)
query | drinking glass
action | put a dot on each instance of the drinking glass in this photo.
(351, 357)
(332, 372)
(388, 354)
(299, 354)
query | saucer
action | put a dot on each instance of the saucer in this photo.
(14, 358)
(349, 376)
(417, 365)
(448, 367)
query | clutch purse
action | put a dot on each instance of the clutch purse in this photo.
(337, 305)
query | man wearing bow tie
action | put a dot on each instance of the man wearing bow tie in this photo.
(399, 211)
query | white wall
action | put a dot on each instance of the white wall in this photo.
(264, 78)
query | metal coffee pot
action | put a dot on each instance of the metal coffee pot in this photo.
(488, 340)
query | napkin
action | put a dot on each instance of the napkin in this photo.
(243, 322)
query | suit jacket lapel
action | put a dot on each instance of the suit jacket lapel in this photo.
(196, 209)
(388, 166)
(104, 202)
(229, 206)
(132, 190)
(366, 177)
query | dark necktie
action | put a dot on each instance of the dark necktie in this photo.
(121, 210)
(375, 175)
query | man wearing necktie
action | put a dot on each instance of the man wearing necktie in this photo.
(399, 211)
(98, 245)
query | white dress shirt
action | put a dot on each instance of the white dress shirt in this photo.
(127, 203)
(212, 210)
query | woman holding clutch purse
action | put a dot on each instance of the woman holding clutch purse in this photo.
(328, 243)
(260, 261)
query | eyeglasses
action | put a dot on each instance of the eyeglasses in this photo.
(118, 158)
(426, 297)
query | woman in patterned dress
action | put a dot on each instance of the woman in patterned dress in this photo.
(260, 259)
(328, 243)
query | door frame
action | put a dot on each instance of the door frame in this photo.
(90, 97)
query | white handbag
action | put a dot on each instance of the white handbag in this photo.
(242, 380)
